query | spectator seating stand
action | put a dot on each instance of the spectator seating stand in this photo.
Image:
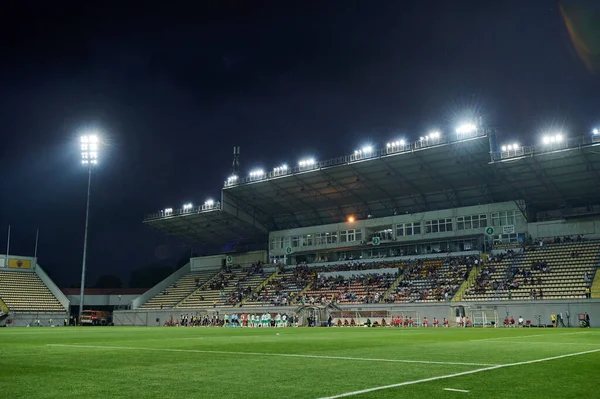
(26, 292)
(179, 290)
(567, 263)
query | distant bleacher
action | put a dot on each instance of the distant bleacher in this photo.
(177, 291)
(282, 290)
(26, 292)
(554, 271)
(358, 289)
(210, 288)
(431, 280)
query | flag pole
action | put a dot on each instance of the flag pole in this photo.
(8, 245)
(37, 235)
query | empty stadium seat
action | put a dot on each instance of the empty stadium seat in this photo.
(26, 292)
(568, 263)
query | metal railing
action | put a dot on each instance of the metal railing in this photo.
(528, 151)
(186, 210)
(394, 148)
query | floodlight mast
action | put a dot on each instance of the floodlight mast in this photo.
(89, 155)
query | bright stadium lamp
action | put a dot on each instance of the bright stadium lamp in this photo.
(89, 157)
(466, 128)
(306, 162)
(367, 149)
(187, 207)
(351, 219)
(434, 135)
(504, 148)
(596, 131)
(553, 138)
(168, 211)
(209, 202)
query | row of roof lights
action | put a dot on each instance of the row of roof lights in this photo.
(364, 151)
(187, 207)
(307, 162)
(510, 147)
(398, 144)
(553, 138)
(430, 136)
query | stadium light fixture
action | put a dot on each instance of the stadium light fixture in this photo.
(168, 211)
(553, 139)
(232, 179)
(257, 173)
(367, 149)
(306, 162)
(209, 202)
(395, 144)
(466, 128)
(187, 207)
(434, 135)
(281, 168)
(596, 132)
(89, 157)
(351, 219)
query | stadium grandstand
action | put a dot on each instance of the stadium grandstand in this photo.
(450, 224)
(447, 225)
(28, 294)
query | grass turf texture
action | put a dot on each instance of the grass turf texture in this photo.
(141, 362)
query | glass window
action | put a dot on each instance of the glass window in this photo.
(343, 236)
(438, 226)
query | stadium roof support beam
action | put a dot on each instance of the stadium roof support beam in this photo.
(418, 198)
(451, 193)
(465, 157)
(522, 206)
(291, 198)
(541, 174)
(590, 167)
(350, 192)
(232, 205)
(374, 187)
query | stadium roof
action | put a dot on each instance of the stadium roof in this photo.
(209, 225)
(398, 179)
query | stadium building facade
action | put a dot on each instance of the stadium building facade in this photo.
(445, 196)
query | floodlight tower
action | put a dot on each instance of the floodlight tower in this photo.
(236, 160)
(89, 159)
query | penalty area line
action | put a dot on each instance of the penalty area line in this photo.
(455, 390)
(443, 377)
(364, 359)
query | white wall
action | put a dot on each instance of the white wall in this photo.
(64, 301)
(215, 261)
(559, 228)
(368, 225)
(103, 300)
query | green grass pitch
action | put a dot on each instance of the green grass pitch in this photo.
(163, 362)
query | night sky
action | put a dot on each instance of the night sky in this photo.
(172, 90)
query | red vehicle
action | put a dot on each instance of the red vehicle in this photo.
(95, 318)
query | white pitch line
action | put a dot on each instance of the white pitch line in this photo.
(455, 390)
(548, 343)
(442, 377)
(265, 354)
(527, 336)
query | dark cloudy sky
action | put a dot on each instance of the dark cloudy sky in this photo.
(172, 90)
